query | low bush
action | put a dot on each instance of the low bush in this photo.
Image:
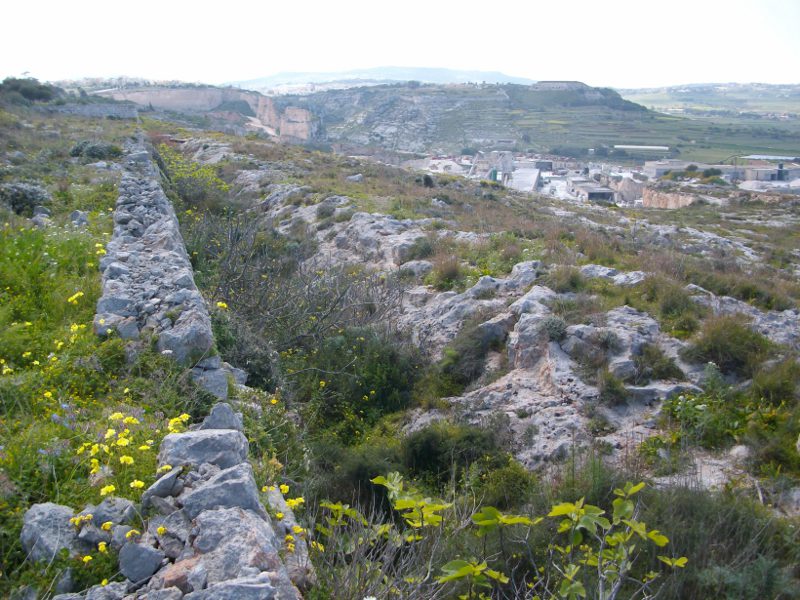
(778, 382)
(728, 342)
(442, 451)
(652, 363)
(555, 328)
(612, 390)
(446, 274)
(95, 150)
(23, 197)
(423, 247)
(351, 380)
(508, 486)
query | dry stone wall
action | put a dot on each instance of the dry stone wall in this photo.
(148, 283)
(200, 531)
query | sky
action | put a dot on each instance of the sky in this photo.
(615, 43)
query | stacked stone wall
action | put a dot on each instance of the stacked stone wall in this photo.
(148, 282)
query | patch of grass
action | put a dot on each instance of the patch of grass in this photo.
(565, 279)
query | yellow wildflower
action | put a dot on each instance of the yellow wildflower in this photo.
(295, 502)
(123, 441)
(137, 484)
(284, 488)
(322, 384)
(297, 529)
(279, 516)
(289, 538)
(144, 447)
(74, 298)
(317, 546)
(164, 468)
(48, 394)
(222, 305)
(161, 530)
(117, 416)
(109, 489)
(86, 559)
(110, 433)
(132, 533)
(106, 526)
(104, 582)
(131, 421)
(126, 460)
(102, 547)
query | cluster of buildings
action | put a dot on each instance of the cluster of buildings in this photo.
(570, 179)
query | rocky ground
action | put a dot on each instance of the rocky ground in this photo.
(535, 379)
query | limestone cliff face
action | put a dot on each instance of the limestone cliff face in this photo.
(289, 123)
(653, 198)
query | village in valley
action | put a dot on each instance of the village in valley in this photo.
(658, 183)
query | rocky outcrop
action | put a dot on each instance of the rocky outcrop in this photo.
(148, 283)
(624, 279)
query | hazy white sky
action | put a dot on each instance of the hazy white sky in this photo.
(621, 43)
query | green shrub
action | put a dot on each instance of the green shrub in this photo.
(351, 380)
(778, 382)
(28, 89)
(423, 247)
(446, 273)
(674, 301)
(652, 363)
(612, 390)
(23, 197)
(507, 487)
(729, 343)
(555, 328)
(464, 358)
(95, 150)
(443, 450)
(325, 210)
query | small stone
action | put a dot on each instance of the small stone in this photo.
(222, 416)
(245, 588)
(46, 530)
(166, 485)
(221, 447)
(233, 487)
(114, 509)
(112, 591)
(138, 562)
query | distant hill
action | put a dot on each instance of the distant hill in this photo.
(414, 117)
(377, 75)
(720, 98)
(562, 117)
